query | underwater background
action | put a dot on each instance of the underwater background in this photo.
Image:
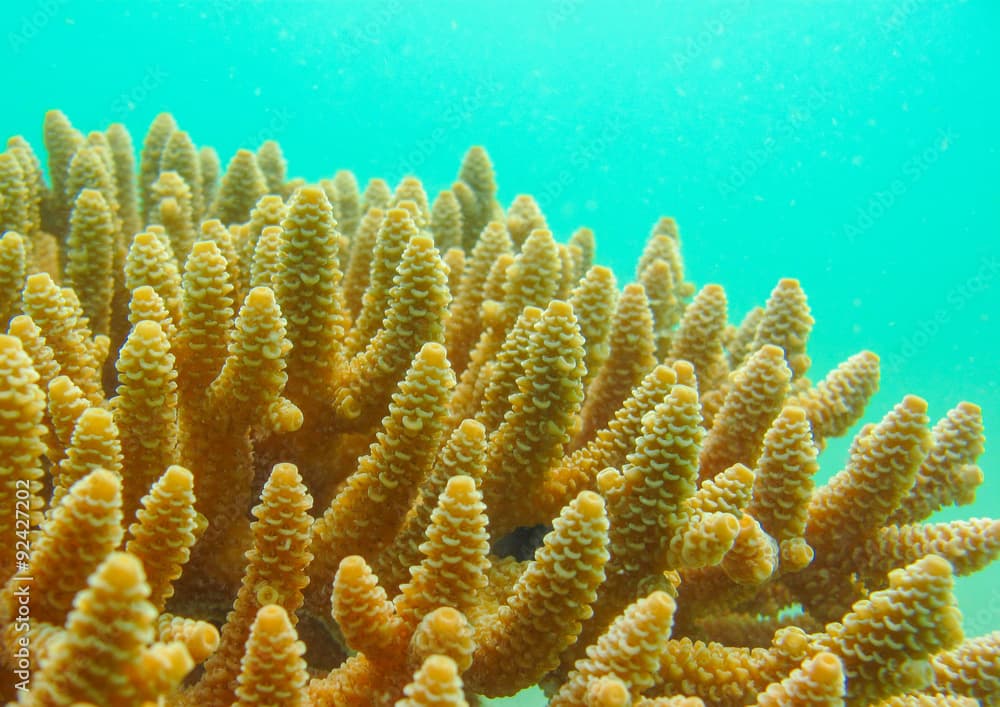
(853, 145)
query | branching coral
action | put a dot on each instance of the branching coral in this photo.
(521, 475)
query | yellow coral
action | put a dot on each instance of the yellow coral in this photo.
(347, 207)
(463, 454)
(699, 338)
(272, 671)
(523, 217)
(877, 476)
(272, 165)
(61, 142)
(93, 445)
(208, 161)
(410, 195)
(492, 395)
(274, 575)
(253, 376)
(886, 640)
(164, 532)
(174, 210)
(547, 604)
(786, 323)
(34, 182)
(14, 195)
(819, 682)
(611, 445)
(13, 264)
(22, 404)
(446, 221)
(436, 684)
(206, 316)
(838, 400)
(414, 317)
(754, 400)
(454, 561)
(360, 606)
(631, 355)
(533, 434)
(308, 289)
(91, 256)
(948, 473)
(369, 508)
(784, 484)
(594, 300)
(464, 325)
(242, 185)
(199, 638)
(153, 145)
(735, 536)
(181, 157)
(71, 545)
(69, 337)
(150, 264)
(630, 650)
(145, 410)
(971, 669)
(104, 656)
(361, 256)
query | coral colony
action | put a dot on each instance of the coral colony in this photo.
(270, 442)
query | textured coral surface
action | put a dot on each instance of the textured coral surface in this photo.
(265, 442)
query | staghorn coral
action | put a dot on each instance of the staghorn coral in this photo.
(22, 404)
(394, 232)
(34, 182)
(885, 641)
(436, 684)
(410, 195)
(672, 453)
(758, 389)
(91, 247)
(272, 670)
(272, 165)
(14, 195)
(631, 354)
(818, 683)
(105, 654)
(971, 669)
(784, 485)
(368, 509)
(630, 650)
(61, 141)
(414, 317)
(13, 262)
(164, 532)
(242, 185)
(463, 454)
(274, 576)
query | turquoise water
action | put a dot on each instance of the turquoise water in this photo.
(850, 144)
